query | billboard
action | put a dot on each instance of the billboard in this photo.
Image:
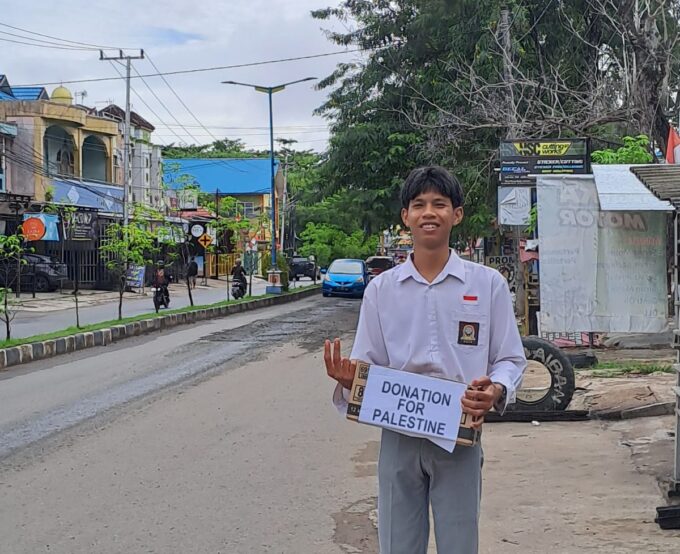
(521, 160)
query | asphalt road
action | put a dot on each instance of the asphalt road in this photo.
(221, 438)
(29, 323)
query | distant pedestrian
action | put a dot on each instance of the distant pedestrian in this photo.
(192, 271)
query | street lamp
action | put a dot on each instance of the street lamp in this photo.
(269, 91)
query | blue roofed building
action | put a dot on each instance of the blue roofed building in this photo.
(246, 179)
(30, 93)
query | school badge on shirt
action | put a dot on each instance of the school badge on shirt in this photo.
(468, 333)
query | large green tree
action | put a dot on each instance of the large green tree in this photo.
(443, 81)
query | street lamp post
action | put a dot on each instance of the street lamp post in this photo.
(269, 91)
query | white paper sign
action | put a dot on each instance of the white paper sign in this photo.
(413, 404)
(514, 205)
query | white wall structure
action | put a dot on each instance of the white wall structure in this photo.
(600, 271)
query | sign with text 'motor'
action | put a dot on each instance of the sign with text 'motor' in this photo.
(412, 403)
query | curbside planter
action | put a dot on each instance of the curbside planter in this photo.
(26, 353)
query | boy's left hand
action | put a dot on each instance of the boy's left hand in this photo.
(480, 398)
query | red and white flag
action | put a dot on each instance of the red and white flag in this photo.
(673, 146)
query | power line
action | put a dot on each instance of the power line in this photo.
(180, 100)
(97, 46)
(37, 40)
(65, 47)
(165, 107)
(144, 102)
(203, 69)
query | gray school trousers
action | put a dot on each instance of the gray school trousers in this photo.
(414, 472)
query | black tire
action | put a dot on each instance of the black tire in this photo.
(42, 283)
(562, 380)
(326, 294)
(156, 302)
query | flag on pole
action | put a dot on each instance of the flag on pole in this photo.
(673, 146)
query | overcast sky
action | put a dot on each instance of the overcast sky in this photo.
(184, 34)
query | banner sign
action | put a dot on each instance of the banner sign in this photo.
(413, 404)
(187, 199)
(505, 265)
(521, 158)
(39, 226)
(135, 276)
(83, 226)
(600, 271)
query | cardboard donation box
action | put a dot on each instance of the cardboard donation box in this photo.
(413, 404)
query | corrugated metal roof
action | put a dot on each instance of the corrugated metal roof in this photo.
(662, 179)
(619, 190)
(7, 97)
(29, 93)
(226, 175)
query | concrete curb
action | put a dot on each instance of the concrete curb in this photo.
(34, 351)
(648, 410)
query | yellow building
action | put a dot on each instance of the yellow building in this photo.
(55, 139)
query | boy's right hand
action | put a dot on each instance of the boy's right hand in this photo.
(338, 368)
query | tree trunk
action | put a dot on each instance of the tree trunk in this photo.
(121, 291)
(191, 297)
(8, 334)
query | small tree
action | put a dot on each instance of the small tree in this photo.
(635, 150)
(67, 217)
(11, 250)
(126, 245)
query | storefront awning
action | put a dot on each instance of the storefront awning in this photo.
(87, 194)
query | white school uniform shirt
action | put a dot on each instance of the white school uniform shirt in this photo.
(461, 326)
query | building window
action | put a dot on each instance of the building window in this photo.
(248, 209)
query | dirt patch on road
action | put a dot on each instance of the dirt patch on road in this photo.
(355, 530)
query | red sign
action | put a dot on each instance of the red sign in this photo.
(33, 229)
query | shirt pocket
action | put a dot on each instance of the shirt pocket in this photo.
(470, 330)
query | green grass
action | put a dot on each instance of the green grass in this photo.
(151, 315)
(621, 368)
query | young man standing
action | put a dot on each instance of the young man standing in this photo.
(445, 317)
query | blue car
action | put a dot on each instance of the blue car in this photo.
(345, 278)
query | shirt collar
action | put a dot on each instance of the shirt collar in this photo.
(454, 266)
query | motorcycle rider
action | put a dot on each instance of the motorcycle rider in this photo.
(161, 279)
(238, 274)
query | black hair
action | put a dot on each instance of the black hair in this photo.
(431, 178)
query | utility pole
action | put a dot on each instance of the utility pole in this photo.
(283, 206)
(126, 140)
(511, 121)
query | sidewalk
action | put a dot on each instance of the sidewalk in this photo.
(55, 301)
(50, 312)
